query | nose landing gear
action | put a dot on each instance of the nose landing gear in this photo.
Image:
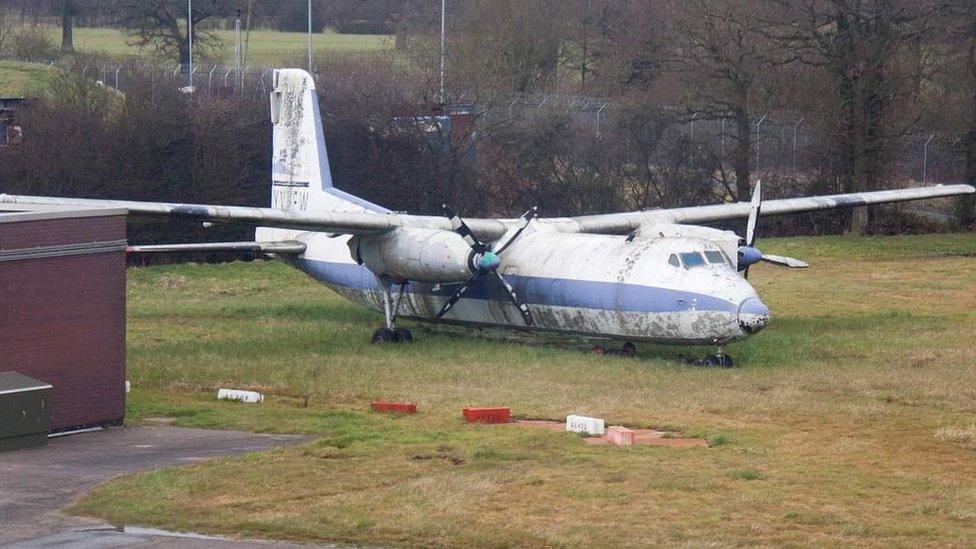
(718, 360)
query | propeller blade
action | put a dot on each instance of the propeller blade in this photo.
(522, 307)
(754, 209)
(458, 294)
(784, 261)
(461, 228)
(514, 231)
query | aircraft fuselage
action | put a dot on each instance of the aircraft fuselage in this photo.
(666, 290)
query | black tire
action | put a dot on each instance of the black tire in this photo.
(402, 335)
(629, 350)
(712, 361)
(727, 361)
(383, 335)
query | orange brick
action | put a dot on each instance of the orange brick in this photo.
(395, 407)
(487, 415)
(620, 436)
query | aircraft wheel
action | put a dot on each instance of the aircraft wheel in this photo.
(629, 350)
(402, 335)
(383, 335)
(721, 361)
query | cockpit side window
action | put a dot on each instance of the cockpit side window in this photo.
(715, 258)
(692, 259)
(673, 260)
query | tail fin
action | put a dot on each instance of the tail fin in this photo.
(301, 179)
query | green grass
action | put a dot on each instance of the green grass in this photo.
(265, 47)
(23, 79)
(849, 421)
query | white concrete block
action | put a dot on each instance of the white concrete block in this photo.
(583, 424)
(243, 396)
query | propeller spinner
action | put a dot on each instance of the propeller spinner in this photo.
(749, 254)
(485, 260)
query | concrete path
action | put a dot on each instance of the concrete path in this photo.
(36, 484)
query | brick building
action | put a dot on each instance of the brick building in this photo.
(62, 309)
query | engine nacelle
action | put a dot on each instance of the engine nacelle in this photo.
(421, 255)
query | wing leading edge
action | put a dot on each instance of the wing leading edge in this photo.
(626, 222)
(488, 229)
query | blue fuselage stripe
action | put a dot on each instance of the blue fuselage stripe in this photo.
(560, 292)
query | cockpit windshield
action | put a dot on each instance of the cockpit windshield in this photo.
(692, 259)
(715, 257)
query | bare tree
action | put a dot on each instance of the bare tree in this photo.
(865, 54)
(720, 50)
(161, 24)
(6, 23)
(68, 12)
(961, 18)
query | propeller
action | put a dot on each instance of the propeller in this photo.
(749, 254)
(485, 259)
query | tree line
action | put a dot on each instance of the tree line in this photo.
(862, 75)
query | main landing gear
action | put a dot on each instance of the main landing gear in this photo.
(628, 350)
(391, 305)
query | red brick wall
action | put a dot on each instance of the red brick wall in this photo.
(62, 319)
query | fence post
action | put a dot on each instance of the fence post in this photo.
(925, 158)
(722, 135)
(758, 138)
(795, 127)
(599, 113)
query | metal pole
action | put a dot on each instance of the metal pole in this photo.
(598, 113)
(309, 36)
(443, 11)
(189, 35)
(795, 127)
(925, 158)
(723, 142)
(117, 77)
(758, 126)
(238, 49)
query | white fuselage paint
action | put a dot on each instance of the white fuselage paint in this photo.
(584, 284)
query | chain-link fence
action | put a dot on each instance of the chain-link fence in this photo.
(781, 145)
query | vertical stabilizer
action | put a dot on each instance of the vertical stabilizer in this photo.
(301, 179)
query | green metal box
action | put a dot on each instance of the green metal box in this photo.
(25, 411)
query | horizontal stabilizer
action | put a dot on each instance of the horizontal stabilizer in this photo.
(281, 247)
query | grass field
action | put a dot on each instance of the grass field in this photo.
(264, 48)
(850, 421)
(23, 79)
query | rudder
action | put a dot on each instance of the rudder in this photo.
(300, 174)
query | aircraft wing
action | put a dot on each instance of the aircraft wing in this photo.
(329, 222)
(486, 229)
(625, 222)
(279, 247)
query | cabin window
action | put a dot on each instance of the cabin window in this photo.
(715, 257)
(673, 260)
(692, 259)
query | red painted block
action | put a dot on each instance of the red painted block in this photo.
(620, 436)
(394, 407)
(487, 415)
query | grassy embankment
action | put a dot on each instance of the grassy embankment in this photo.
(852, 419)
(23, 79)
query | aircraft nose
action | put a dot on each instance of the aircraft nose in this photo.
(753, 315)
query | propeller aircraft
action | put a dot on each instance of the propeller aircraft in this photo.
(646, 276)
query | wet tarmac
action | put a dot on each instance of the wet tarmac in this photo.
(36, 484)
